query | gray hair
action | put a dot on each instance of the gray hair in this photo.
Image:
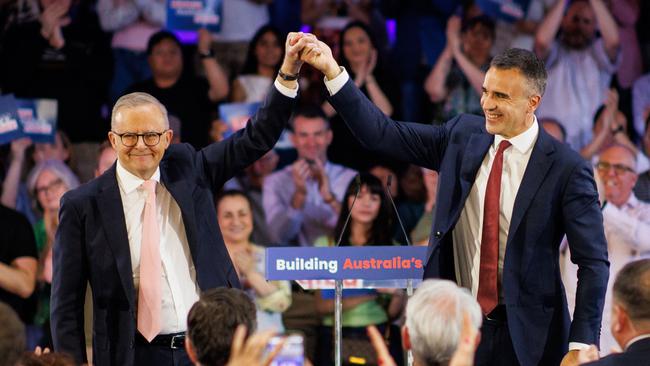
(434, 318)
(134, 100)
(527, 63)
(56, 167)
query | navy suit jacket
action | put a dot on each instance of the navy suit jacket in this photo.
(637, 354)
(557, 196)
(92, 243)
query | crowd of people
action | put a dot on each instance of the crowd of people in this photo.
(71, 272)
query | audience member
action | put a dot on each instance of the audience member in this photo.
(190, 98)
(630, 316)
(383, 173)
(457, 77)
(553, 128)
(627, 226)
(422, 230)
(212, 325)
(18, 263)
(59, 52)
(47, 182)
(45, 359)
(370, 224)
(359, 54)
(236, 224)
(626, 15)
(106, 158)
(251, 183)
(132, 23)
(262, 63)
(302, 200)
(12, 336)
(579, 66)
(521, 33)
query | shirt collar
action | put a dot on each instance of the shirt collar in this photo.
(130, 182)
(632, 202)
(524, 141)
(636, 339)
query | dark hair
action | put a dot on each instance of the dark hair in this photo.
(233, 193)
(483, 20)
(158, 37)
(355, 24)
(46, 359)
(308, 111)
(556, 123)
(632, 289)
(251, 63)
(597, 114)
(12, 335)
(381, 229)
(212, 321)
(527, 63)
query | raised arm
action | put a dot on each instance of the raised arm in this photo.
(217, 78)
(548, 29)
(608, 28)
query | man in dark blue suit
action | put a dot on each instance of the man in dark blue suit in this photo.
(630, 317)
(507, 195)
(145, 234)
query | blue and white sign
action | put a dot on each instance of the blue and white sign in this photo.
(10, 128)
(339, 263)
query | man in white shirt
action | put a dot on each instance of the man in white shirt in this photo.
(145, 233)
(508, 192)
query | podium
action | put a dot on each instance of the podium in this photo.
(347, 267)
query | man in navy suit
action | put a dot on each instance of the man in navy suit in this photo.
(508, 193)
(630, 324)
(107, 228)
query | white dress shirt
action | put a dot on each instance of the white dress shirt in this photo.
(179, 287)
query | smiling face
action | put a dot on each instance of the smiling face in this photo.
(235, 219)
(140, 160)
(311, 137)
(616, 170)
(357, 46)
(366, 208)
(508, 102)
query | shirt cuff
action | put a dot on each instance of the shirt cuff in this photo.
(290, 93)
(334, 85)
(576, 346)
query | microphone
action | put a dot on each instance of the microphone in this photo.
(392, 202)
(357, 181)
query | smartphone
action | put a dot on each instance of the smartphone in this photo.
(311, 162)
(292, 353)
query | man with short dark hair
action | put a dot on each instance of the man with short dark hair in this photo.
(630, 316)
(212, 321)
(508, 192)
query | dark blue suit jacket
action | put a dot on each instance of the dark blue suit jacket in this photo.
(637, 354)
(92, 243)
(557, 196)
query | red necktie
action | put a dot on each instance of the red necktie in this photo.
(488, 296)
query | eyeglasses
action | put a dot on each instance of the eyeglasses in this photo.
(619, 169)
(50, 187)
(130, 139)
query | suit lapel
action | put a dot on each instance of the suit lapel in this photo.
(111, 212)
(477, 147)
(538, 166)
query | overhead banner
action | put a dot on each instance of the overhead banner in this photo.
(339, 263)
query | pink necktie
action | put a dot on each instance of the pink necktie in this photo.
(149, 295)
(488, 296)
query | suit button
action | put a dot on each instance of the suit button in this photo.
(438, 234)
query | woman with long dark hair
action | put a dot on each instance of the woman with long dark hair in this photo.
(370, 224)
(262, 63)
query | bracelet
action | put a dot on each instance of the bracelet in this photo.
(206, 55)
(287, 77)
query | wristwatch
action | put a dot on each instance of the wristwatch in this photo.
(206, 55)
(287, 77)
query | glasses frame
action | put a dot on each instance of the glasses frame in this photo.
(619, 169)
(138, 135)
(56, 183)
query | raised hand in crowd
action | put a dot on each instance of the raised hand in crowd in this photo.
(53, 18)
(12, 177)
(251, 351)
(300, 172)
(364, 71)
(318, 173)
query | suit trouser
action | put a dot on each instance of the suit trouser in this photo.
(496, 347)
(155, 355)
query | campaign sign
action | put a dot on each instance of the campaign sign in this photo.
(508, 10)
(38, 117)
(10, 128)
(236, 115)
(338, 263)
(192, 15)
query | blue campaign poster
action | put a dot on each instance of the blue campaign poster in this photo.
(10, 128)
(236, 115)
(508, 10)
(192, 15)
(38, 118)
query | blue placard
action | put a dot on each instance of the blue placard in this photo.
(192, 15)
(508, 10)
(236, 115)
(38, 118)
(10, 128)
(370, 263)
